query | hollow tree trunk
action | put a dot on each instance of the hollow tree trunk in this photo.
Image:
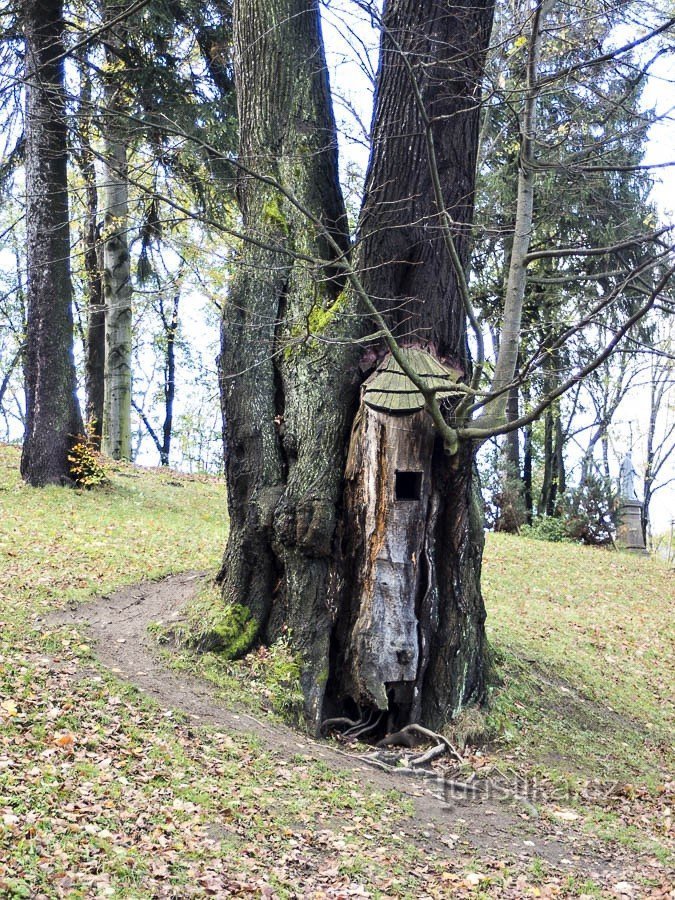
(52, 410)
(410, 277)
(289, 396)
(116, 440)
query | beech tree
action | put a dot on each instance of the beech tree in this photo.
(53, 417)
(117, 286)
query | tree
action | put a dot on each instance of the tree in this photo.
(117, 287)
(289, 355)
(53, 417)
(660, 438)
(84, 156)
(582, 140)
(301, 303)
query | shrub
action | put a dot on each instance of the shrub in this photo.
(586, 516)
(588, 511)
(547, 528)
(86, 463)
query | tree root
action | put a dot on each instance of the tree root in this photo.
(423, 758)
(354, 728)
(339, 721)
(402, 739)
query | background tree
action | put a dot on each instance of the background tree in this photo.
(53, 417)
(588, 148)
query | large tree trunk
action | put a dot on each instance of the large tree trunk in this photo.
(53, 416)
(117, 286)
(409, 275)
(289, 396)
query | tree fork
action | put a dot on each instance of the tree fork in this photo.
(288, 398)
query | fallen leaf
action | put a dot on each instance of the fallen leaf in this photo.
(9, 707)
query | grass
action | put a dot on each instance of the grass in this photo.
(103, 794)
(584, 643)
(265, 681)
(584, 639)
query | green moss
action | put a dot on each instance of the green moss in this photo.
(273, 213)
(320, 318)
(234, 632)
(317, 321)
(210, 625)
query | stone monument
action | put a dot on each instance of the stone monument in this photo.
(629, 531)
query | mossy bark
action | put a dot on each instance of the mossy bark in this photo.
(287, 398)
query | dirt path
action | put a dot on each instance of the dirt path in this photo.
(118, 624)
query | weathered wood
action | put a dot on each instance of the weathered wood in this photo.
(383, 647)
(390, 389)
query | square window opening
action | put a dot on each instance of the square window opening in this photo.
(408, 486)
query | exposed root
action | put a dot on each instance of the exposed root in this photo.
(338, 722)
(366, 727)
(433, 753)
(402, 738)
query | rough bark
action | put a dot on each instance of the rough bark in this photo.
(116, 440)
(410, 276)
(170, 333)
(406, 269)
(94, 351)
(52, 411)
(289, 397)
(554, 480)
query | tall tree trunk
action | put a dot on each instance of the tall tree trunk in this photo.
(512, 508)
(52, 411)
(170, 333)
(511, 440)
(559, 453)
(116, 440)
(289, 396)
(545, 507)
(527, 474)
(409, 275)
(94, 360)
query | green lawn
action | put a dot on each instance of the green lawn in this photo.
(104, 794)
(587, 635)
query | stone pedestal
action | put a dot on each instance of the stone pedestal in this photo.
(629, 530)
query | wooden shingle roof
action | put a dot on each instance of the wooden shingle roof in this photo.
(390, 390)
